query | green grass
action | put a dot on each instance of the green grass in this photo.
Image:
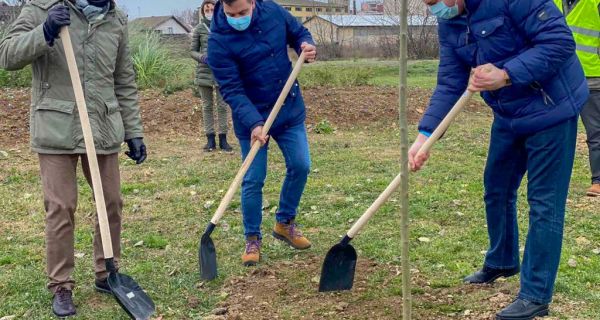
(165, 208)
(15, 79)
(422, 73)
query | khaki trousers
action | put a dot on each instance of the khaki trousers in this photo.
(59, 182)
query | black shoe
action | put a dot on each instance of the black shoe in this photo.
(62, 303)
(489, 275)
(211, 144)
(523, 310)
(223, 143)
(102, 286)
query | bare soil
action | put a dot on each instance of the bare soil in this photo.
(273, 292)
(179, 114)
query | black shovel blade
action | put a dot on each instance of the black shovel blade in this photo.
(207, 255)
(338, 269)
(131, 296)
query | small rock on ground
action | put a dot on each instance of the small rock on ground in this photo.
(219, 311)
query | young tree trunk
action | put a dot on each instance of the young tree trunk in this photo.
(403, 111)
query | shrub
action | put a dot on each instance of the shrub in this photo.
(155, 66)
(324, 127)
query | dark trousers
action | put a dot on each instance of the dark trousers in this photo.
(547, 157)
(590, 115)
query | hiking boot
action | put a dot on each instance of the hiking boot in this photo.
(211, 144)
(223, 145)
(488, 275)
(290, 234)
(102, 286)
(251, 254)
(594, 191)
(62, 303)
(523, 310)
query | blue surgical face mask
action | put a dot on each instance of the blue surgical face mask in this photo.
(241, 23)
(442, 11)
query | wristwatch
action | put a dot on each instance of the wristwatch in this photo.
(507, 78)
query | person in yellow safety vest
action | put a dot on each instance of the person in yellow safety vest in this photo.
(583, 16)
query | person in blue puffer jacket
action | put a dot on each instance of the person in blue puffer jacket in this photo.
(523, 56)
(248, 54)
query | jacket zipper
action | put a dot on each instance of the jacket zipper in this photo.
(545, 96)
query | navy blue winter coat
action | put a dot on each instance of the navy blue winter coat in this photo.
(252, 66)
(532, 42)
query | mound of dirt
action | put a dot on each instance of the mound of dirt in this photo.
(14, 116)
(180, 113)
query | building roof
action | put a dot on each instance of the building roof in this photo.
(151, 23)
(309, 3)
(374, 20)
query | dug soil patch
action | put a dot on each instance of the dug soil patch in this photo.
(288, 290)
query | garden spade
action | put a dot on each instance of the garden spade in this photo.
(339, 267)
(207, 253)
(128, 293)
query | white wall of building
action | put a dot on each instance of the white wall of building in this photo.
(171, 27)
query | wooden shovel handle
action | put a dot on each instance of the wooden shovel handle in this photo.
(89, 143)
(443, 126)
(395, 184)
(257, 145)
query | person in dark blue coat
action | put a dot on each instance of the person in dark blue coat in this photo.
(525, 67)
(248, 54)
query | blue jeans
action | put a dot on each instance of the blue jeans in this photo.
(547, 157)
(293, 143)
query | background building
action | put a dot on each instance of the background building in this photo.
(372, 35)
(165, 25)
(305, 9)
(372, 7)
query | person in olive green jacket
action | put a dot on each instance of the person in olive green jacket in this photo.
(99, 34)
(206, 83)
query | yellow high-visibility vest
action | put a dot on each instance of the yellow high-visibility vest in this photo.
(584, 21)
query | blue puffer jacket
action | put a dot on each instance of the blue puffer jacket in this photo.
(252, 66)
(532, 42)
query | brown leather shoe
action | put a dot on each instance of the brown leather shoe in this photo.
(594, 191)
(251, 254)
(290, 234)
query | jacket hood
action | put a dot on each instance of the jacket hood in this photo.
(220, 23)
(205, 2)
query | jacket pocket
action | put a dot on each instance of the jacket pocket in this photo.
(53, 124)
(114, 132)
(495, 39)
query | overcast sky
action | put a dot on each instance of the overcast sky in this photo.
(145, 8)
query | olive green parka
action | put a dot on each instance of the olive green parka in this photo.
(204, 76)
(106, 71)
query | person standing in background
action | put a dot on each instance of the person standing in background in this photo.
(583, 17)
(206, 83)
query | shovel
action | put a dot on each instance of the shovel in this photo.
(128, 293)
(340, 263)
(207, 253)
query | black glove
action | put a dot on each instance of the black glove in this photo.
(58, 17)
(137, 150)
